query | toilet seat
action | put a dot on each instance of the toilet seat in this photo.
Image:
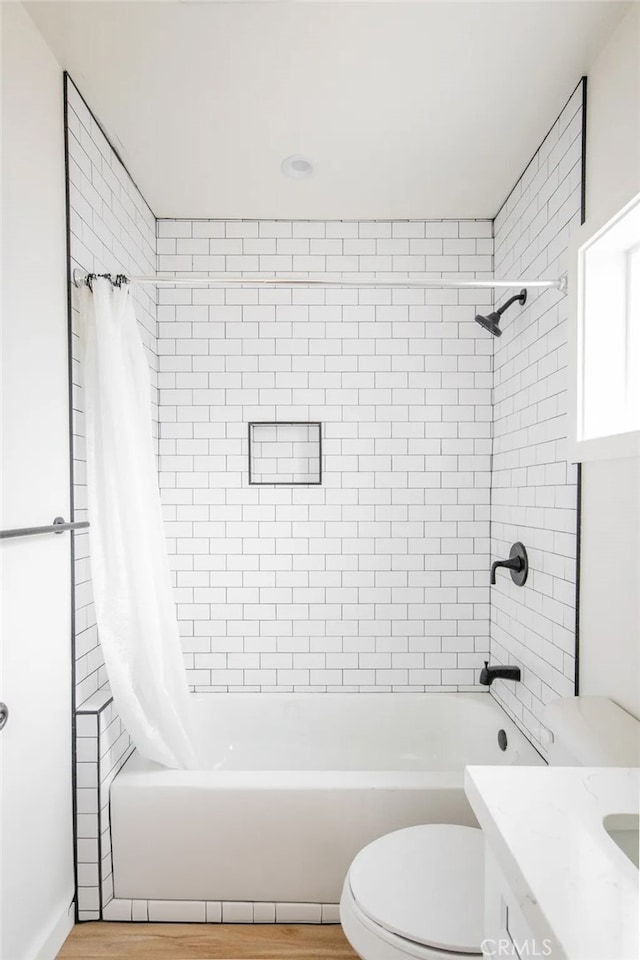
(417, 893)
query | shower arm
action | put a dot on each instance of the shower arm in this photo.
(505, 306)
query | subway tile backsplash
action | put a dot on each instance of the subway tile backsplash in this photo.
(441, 446)
(534, 492)
(112, 230)
(377, 578)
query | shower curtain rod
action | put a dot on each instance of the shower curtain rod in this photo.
(409, 282)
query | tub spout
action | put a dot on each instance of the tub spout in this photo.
(489, 674)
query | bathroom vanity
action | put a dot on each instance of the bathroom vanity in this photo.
(561, 861)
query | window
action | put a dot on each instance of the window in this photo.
(605, 347)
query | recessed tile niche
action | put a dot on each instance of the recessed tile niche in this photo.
(285, 454)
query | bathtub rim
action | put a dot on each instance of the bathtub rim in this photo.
(140, 772)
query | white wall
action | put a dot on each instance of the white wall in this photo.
(377, 579)
(37, 846)
(610, 582)
(533, 487)
(610, 567)
(613, 120)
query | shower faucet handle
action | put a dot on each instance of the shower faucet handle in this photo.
(517, 563)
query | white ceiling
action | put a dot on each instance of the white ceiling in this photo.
(407, 110)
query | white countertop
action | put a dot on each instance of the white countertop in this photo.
(544, 827)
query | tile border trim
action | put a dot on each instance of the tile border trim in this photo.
(216, 911)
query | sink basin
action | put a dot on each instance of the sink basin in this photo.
(623, 830)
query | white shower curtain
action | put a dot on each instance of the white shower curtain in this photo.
(135, 611)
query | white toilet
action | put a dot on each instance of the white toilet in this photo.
(417, 894)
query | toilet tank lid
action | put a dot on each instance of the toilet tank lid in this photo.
(595, 731)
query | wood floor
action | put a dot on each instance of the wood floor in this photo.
(200, 941)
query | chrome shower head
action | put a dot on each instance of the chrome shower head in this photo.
(492, 322)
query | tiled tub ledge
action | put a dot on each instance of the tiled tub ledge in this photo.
(102, 747)
(207, 911)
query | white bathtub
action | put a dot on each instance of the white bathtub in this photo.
(294, 786)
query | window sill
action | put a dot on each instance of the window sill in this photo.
(615, 447)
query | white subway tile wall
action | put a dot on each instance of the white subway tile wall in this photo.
(534, 494)
(437, 454)
(102, 748)
(112, 231)
(377, 579)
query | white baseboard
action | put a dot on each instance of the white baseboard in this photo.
(57, 934)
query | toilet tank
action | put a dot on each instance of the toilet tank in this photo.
(591, 732)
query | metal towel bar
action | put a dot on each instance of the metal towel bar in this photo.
(59, 525)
